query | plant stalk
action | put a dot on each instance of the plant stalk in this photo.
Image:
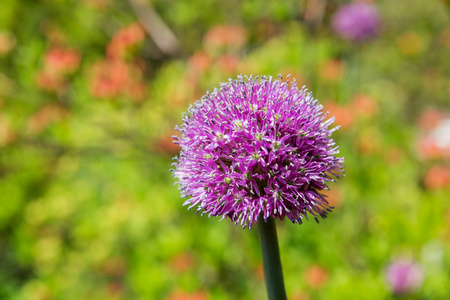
(273, 273)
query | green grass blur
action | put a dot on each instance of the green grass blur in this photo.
(88, 103)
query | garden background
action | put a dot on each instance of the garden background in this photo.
(90, 92)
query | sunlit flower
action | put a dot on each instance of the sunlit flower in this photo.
(404, 276)
(257, 147)
(356, 21)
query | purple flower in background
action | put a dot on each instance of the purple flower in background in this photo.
(404, 276)
(356, 21)
(257, 147)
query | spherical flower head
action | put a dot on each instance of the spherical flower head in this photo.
(404, 276)
(257, 147)
(356, 21)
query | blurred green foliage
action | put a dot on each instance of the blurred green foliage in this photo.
(88, 103)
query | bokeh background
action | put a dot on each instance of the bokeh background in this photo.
(90, 91)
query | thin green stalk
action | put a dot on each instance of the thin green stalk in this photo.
(273, 273)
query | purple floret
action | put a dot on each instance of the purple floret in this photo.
(257, 147)
(356, 21)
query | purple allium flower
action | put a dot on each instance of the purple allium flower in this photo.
(257, 147)
(356, 21)
(404, 276)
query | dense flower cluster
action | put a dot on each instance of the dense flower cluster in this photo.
(257, 147)
(356, 21)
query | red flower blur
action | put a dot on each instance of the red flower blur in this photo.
(180, 295)
(437, 177)
(47, 115)
(125, 39)
(224, 36)
(58, 63)
(343, 113)
(228, 63)
(434, 142)
(364, 106)
(316, 276)
(199, 62)
(113, 78)
(61, 60)
(332, 70)
(50, 82)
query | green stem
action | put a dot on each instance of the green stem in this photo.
(273, 273)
